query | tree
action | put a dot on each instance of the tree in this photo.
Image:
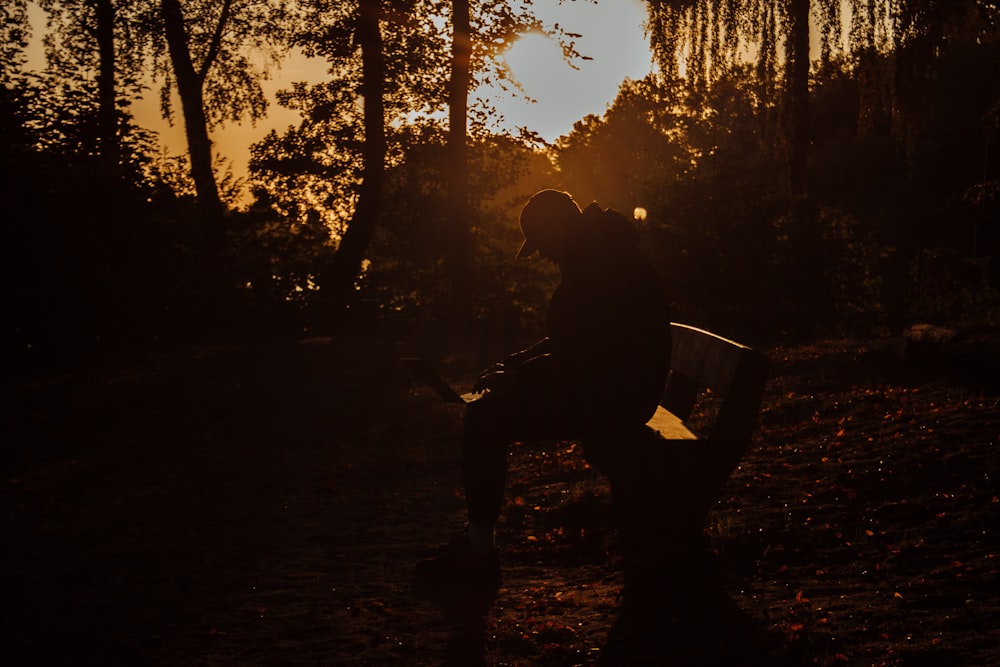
(14, 31)
(331, 167)
(797, 85)
(90, 45)
(107, 99)
(627, 157)
(339, 277)
(474, 60)
(713, 38)
(481, 31)
(324, 158)
(190, 85)
(209, 50)
(217, 54)
(14, 36)
(460, 252)
(386, 59)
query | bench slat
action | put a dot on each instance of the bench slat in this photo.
(669, 426)
(710, 359)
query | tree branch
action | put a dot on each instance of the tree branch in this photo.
(216, 43)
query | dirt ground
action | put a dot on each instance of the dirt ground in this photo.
(263, 503)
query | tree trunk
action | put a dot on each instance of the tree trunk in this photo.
(798, 95)
(458, 210)
(190, 87)
(339, 278)
(107, 114)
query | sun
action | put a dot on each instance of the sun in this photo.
(536, 63)
(541, 91)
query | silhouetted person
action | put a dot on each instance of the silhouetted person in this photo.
(596, 377)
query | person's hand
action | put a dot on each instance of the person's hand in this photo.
(495, 379)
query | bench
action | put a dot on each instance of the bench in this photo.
(673, 474)
(735, 374)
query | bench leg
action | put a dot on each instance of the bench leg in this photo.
(660, 505)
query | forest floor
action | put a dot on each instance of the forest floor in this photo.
(264, 503)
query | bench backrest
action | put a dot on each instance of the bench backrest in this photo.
(737, 374)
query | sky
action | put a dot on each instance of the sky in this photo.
(612, 36)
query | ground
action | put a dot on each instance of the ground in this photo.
(264, 502)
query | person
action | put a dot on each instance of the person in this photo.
(596, 377)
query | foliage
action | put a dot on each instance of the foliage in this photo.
(278, 259)
(321, 160)
(313, 169)
(415, 51)
(14, 36)
(88, 255)
(738, 253)
(71, 42)
(407, 274)
(899, 97)
(233, 47)
(624, 159)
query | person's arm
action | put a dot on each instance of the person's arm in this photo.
(542, 347)
(502, 376)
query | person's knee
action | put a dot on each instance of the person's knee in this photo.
(487, 418)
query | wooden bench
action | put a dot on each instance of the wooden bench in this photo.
(675, 471)
(734, 373)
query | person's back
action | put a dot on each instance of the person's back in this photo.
(610, 325)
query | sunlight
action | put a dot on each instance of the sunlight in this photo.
(544, 93)
(536, 63)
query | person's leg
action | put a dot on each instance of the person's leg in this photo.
(470, 556)
(526, 412)
(488, 431)
(491, 424)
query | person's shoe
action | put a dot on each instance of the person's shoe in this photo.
(458, 563)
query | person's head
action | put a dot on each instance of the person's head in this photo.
(547, 223)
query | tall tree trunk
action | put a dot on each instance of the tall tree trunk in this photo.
(798, 95)
(107, 113)
(458, 213)
(190, 87)
(339, 278)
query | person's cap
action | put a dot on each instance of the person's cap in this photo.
(546, 214)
